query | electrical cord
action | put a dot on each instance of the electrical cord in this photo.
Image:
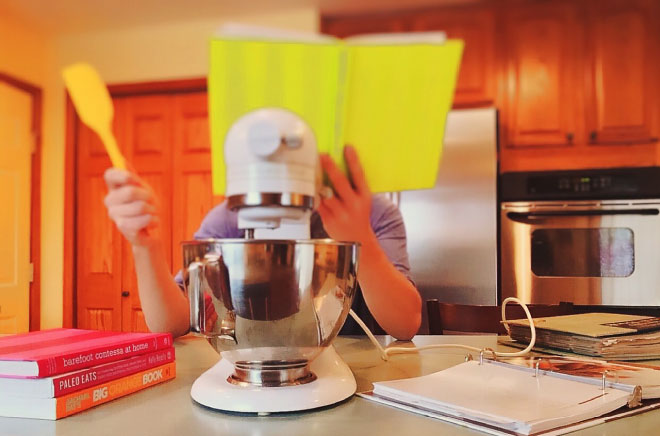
(385, 353)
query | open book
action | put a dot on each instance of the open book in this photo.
(387, 95)
(508, 399)
(607, 335)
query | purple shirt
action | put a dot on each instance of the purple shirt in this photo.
(386, 222)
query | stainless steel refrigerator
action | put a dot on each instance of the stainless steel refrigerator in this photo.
(452, 228)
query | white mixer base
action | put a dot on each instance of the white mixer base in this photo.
(334, 383)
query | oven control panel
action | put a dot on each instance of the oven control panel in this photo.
(619, 183)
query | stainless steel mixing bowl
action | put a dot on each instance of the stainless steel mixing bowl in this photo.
(269, 306)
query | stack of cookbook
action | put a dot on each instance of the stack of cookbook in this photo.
(55, 373)
(605, 335)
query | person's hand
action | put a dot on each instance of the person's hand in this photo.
(346, 213)
(132, 205)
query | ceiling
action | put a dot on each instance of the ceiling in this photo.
(74, 16)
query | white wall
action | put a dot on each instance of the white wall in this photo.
(167, 51)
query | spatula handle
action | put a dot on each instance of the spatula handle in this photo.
(111, 147)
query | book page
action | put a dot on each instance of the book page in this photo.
(397, 100)
(251, 32)
(505, 397)
(398, 38)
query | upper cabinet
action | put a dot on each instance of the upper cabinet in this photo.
(575, 82)
(344, 26)
(540, 110)
(476, 27)
(621, 90)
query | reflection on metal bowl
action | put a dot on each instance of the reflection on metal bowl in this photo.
(264, 301)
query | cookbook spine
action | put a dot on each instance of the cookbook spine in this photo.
(102, 354)
(85, 378)
(90, 397)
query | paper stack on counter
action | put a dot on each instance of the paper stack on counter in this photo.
(387, 95)
(606, 335)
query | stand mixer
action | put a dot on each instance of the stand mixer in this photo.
(271, 303)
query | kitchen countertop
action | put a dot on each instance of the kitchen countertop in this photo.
(167, 409)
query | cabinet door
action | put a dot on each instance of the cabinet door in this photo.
(476, 27)
(343, 26)
(193, 195)
(98, 242)
(541, 103)
(147, 132)
(622, 99)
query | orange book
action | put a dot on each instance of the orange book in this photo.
(55, 408)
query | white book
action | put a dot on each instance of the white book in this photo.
(503, 399)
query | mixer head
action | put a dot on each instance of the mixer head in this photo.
(272, 173)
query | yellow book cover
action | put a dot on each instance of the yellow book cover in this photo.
(387, 95)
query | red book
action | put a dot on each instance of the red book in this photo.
(50, 352)
(56, 386)
(55, 408)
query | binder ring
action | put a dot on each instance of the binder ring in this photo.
(486, 350)
(605, 374)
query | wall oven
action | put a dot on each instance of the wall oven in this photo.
(587, 237)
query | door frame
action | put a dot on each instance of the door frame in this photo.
(35, 195)
(179, 86)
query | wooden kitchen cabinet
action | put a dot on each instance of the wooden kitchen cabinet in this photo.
(343, 26)
(621, 82)
(575, 82)
(541, 106)
(476, 27)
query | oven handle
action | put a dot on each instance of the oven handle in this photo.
(523, 216)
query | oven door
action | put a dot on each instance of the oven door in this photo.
(585, 253)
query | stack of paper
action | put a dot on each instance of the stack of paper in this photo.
(607, 335)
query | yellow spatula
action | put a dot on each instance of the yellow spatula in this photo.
(92, 102)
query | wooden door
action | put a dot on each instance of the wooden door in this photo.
(193, 195)
(16, 146)
(165, 138)
(98, 242)
(622, 90)
(542, 101)
(147, 134)
(476, 27)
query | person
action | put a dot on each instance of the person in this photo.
(352, 213)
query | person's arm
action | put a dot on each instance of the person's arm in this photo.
(132, 206)
(392, 299)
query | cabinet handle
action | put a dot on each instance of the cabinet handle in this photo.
(569, 136)
(593, 136)
(125, 293)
